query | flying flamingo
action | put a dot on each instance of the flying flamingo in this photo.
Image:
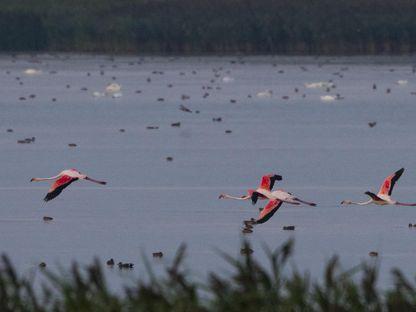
(276, 198)
(264, 192)
(267, 183)
(64, 179)
(383, 196)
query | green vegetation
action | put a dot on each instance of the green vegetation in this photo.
(209, 26)
(251, 287)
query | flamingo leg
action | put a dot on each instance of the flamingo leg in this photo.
(95, 181)
(305, 202)
(405, 204)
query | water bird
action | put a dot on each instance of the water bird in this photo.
(249, 223)
(46, 218)
(184, 108)
(328, 98)
(26, 141)
(113, 88)
(289, 228)
(158, 254)
(175, 124)
(402, 82)
(72, 145)
(373, 254)
(246, 251)
(383, 197)
(126, 265)
(97, 94)
(265, 94)
(264, 192)
(276, 198)
(320, 84)
(63, 180)
(372, 124)
(32, 72)
(42, 265)
(116, 95)
(110, 262)
(227, 79)
(247, 231)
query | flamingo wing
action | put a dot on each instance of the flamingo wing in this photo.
(267, 181)
(388, 184)
(59, 186)
(268, 211)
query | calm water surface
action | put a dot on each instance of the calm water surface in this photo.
(325, 151)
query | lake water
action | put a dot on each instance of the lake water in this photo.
(325, 151)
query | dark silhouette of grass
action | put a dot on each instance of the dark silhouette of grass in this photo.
(251, 287)
(209, 26)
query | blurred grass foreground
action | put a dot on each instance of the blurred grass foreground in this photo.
(251, 287)
(209, 26)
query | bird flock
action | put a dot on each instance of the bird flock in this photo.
(221, 77)
(264, 192)
(279, 196)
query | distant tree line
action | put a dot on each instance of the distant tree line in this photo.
(209, 26)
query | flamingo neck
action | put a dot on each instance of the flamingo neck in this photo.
(234, 197)
(45, 179)
(362, 203)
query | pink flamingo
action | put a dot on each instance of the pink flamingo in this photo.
(264, 191)
(267, 183)
(276, 198)
(63, 180)
(383, 197)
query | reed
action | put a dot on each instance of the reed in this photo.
(251, 287)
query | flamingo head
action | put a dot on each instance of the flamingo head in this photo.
(278, 177)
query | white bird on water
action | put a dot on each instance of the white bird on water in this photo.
(328, 98)
(265, 94)
(402, 82)
(320, 84)
(113, 88)
(32, 72)
(227, 79)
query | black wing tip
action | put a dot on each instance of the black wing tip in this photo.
(48, 197)
(254, 197)
(278, 177)
(400, 171)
